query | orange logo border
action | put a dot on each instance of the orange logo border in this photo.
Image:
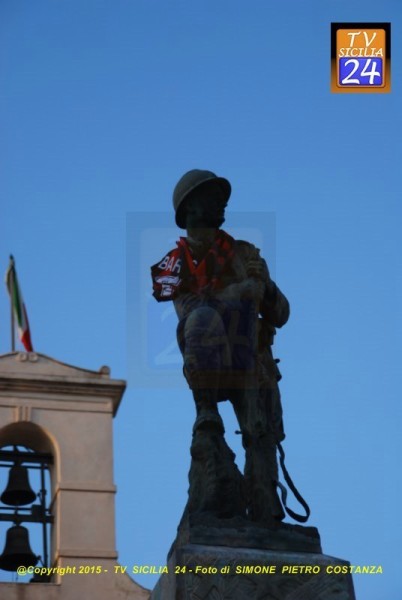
(337, 30)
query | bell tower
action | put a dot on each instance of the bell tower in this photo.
(61, 416)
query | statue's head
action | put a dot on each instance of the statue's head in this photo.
(200, 198)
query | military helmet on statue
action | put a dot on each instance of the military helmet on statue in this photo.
(192, 180)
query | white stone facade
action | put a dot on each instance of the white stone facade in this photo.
(67, 411)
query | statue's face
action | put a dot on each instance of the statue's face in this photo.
(205, 208)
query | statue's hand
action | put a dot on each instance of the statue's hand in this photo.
(255, 268)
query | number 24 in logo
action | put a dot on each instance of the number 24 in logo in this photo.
(364, 71)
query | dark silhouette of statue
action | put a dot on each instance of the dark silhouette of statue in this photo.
(228, 309)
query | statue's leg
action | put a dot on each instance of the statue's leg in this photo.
(252, 408)
(216, 484)
(205, 351)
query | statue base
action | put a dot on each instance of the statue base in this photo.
(222, 563)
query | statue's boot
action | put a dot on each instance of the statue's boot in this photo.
(216, 484)
(208, 416)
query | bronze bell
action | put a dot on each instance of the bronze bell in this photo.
(18, 490)
(17, 551)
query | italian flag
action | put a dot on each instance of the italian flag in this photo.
(18, 306)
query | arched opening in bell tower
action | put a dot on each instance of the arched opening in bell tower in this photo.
(27, 476)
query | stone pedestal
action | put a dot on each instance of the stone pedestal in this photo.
(203, 567)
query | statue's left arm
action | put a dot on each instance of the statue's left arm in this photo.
(274, 306)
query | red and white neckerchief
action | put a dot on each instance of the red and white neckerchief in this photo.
(178, 270)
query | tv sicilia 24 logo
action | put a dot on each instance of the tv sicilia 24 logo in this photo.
(360, 57)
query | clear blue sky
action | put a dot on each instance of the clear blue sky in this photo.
(103, 106)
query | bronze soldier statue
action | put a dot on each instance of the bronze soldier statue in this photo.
(228, 309)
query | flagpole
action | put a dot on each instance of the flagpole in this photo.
(12, 328)
(12, 313)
